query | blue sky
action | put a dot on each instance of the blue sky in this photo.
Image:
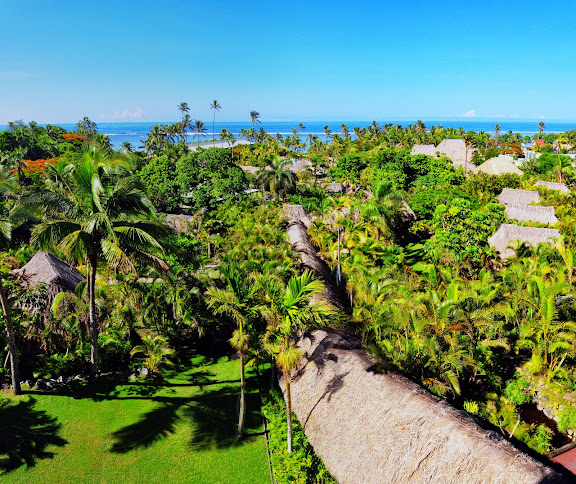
(299, 60)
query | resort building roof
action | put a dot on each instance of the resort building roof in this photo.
(455, 149)
(532, 213)
(499, 165)
(46, 268)
(503, 239)
(552, 186)
(369, 426)
(512, 196)
(429, 150)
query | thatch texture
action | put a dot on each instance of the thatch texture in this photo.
(371, 427)
(429, 150)
(512, 196)
(499, 165)
(506, 234)
(335, 188)
(532, 213)
(250, 169)
(553, 186)
(46, 268)
(179, 222)
(455, 149)
(298, 238)
(301, 166)
(406, 212)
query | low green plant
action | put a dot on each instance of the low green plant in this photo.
(155, 350)
(567, 418)
(516, 391)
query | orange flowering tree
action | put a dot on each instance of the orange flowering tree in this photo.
(32, 167)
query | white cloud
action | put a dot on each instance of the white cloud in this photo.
(469, 114)
(500, 116)
(126, 114)
(515, 115)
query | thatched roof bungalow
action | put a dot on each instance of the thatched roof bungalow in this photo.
(512, 196)
(506, 234)
(553, 186)
(179, 222)
(499, 165)
(429, 150)
(372, 427)
(455, 149)
(309, 258)
(532, 213)
(335, 188)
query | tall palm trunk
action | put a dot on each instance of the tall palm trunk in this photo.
(242, 411)
(92, 319)
(11, 341)
(288, 410)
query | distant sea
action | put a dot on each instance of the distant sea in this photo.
(135, 133)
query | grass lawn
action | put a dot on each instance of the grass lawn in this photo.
(179, 430)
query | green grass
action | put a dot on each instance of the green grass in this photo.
(178, 430)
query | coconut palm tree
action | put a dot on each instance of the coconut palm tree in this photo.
(496, 132)
(237, 301)
(541, 127)
(6, 185)
(216, 107)
(327, 133)
(288, 311)
(254, 119)
(97, 214)
(200, 129)
(184, 109)
(276, 177)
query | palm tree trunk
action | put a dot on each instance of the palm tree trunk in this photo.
(288, 411)
(11, 341)
(93, 261)
(242, 411)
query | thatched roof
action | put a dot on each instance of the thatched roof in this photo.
(406, 212)
(298, 238)
(298, 212)
(499, 165)
(179, 222)
(46, 268)
(429, 150)
(455, 149)
(250, 169)
(532, 213)
(512, 196)
(552, 186)
(300, 166)
(504, 237)
(371, 427)
(335, 188)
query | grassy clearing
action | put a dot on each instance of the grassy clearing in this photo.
(180, 429)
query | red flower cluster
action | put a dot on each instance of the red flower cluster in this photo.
(512, 149)
(37, 166)
(71, 137)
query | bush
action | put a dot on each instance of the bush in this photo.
(516, 391)
(302, 465)
(567, 418)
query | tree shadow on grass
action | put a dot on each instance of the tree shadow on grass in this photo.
(25, 435)
(153, 426)
(213, 418)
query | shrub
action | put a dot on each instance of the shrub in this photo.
(567, 418)
(516, 391)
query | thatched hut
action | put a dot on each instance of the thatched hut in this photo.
(179, 222)
(335, 188)
(309, 258)
(499, 165)
(532, 213)
(512, 196)
(371, 427)
(553, 186)
(506, 234)
(429, 150)
(455, 149)
(250, 169)
(301, 166)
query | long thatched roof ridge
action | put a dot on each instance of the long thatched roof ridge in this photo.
(298, 238)
(532, 213)
(455, 149)
(370, 427)
(46, 268)
(429, 150)
(499, 165)
(553, 186)
(506, 234)
(513, 196)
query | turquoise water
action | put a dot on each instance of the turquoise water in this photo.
(135, 133)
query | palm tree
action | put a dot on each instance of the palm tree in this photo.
(155, 351)
(184, 109)
(497, 132)
(288, 311)
(541, 127)
(276, 177)
(200, 129)
(6, 185)
(254, 119)
(236, 301)
(301, 127)
(345, 131)
(216, 107)
(327, 133)
(469, 144)
(127, 147)
(97, 214)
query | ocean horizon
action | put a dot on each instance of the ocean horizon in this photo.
(136, 132)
